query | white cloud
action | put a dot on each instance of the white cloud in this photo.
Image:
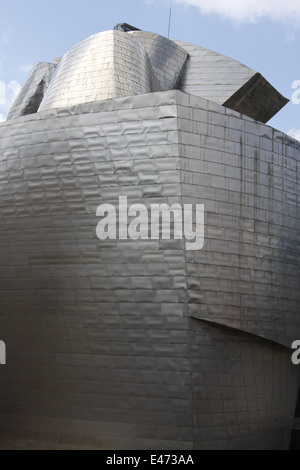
(295, 133)
(26, 68)
(249, 11)
(8, 93)
(14, 87)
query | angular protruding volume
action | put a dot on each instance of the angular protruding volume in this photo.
(33, 91)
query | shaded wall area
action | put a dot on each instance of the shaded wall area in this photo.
(244, 390)
(295, 439)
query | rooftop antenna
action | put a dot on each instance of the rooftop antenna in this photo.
(170, 17)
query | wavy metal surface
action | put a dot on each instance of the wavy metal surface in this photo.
(226, 81)
(166, 57)
(107, 65)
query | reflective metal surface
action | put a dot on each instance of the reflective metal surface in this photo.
(226, 81)
(166, 57)
(123, 344)
(116, 63)
(107, 65)
(33, 91)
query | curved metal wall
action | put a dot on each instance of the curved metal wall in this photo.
(167, 58)
(114, 64)
(107, 65)
(102, 347)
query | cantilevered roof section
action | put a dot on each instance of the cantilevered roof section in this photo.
(257, 99)
(227, 82)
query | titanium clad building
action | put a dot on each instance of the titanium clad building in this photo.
(122, 344)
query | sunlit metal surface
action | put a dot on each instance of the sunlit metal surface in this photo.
(114, 64)
(126, 62)
(226, 81)
(111, 64)
(166, 57)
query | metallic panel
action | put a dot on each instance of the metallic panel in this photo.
(166, 57)
(225, 81)
(107, 65)
(113, 64)
(125, 345)
(257, 99)
(211, 75)
(246, 174)
(33, 91)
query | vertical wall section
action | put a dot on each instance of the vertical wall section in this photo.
(122, 344)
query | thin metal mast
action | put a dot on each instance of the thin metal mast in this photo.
(170, 17)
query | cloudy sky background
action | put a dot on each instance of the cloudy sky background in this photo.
(263, 34)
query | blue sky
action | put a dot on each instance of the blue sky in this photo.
(263, 34)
